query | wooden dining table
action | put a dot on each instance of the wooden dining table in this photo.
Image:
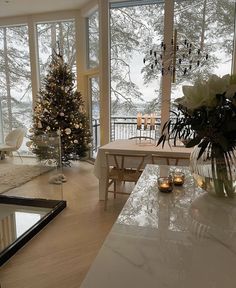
(134, 146)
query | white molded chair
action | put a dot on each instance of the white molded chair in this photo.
(13, 142)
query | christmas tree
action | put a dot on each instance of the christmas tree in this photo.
(59, 110)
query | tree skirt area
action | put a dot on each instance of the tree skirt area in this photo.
(12, 176)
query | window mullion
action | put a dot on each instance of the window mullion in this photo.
(166, 78)
(233, 69)
(33, 59)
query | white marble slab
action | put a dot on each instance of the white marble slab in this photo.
(185, 239)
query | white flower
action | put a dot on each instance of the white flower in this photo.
(204, 93)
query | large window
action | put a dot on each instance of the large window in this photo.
(56, 36)
(93, 78)
(95, 113)
(15, 80)
(208, 27)
(137, 33)
(93, 40)
(135, 87)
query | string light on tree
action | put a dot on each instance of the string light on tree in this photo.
(60, 110)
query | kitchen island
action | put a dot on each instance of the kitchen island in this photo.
(182, 239)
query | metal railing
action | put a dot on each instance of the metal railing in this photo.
(122, 128)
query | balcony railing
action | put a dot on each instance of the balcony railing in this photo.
(122, 128)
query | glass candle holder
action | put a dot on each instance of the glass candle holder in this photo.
(178, 178)
(165, 184)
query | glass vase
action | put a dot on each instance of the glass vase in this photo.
(216, 175)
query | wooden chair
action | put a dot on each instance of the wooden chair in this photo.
(141, 138)
(117, 171)
(170, 160)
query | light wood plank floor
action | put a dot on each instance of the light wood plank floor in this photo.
(61, 254)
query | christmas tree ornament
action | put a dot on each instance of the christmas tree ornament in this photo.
(67, 131)
(29, 144)
(61, 109)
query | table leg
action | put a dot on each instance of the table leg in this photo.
(102, 189)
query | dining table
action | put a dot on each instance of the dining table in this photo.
(181, 239)
(134, 146)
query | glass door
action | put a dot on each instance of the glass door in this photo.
(94, 114)
(136, 30)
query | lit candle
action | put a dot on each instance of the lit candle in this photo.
(178, 178)
(165, 184)
(178, 181)
(139, 120)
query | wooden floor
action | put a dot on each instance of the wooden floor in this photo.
(61, 254)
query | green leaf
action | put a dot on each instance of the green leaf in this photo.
(223, 142)
(193, 142)
(203, 146)
(160, 140)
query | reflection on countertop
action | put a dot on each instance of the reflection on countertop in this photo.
(183, 239)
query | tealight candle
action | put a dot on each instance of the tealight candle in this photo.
(178, 178)
(165, 184)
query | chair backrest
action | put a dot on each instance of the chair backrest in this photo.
(124, 161)
(141, 138)
(170, 160)
(15, 138)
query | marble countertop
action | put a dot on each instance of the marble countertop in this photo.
(183, 239)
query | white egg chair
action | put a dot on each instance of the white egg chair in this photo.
(13, 142)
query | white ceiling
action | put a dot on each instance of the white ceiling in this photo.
(25, 7)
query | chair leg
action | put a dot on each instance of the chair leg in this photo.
(2, 155)
(115, 189)
(20, 156)
(105, 202)
(106, 195)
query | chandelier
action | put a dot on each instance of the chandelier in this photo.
(182, 57)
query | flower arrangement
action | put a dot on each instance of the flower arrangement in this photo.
(205, 116)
